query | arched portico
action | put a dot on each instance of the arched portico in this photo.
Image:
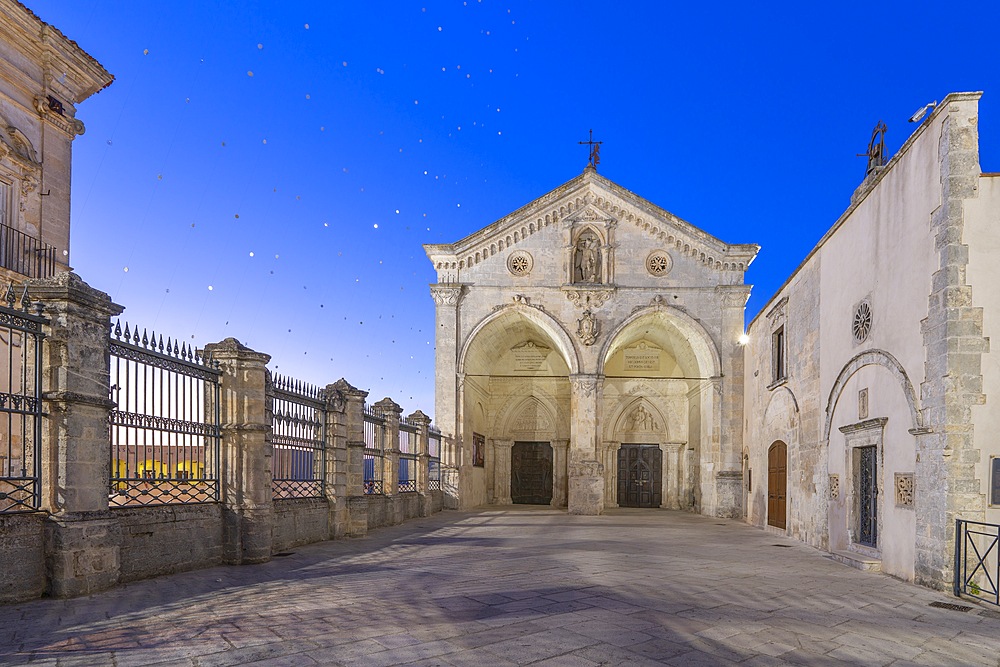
(661, 382)
(515, 367)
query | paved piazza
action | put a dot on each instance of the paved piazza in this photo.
(515, 587)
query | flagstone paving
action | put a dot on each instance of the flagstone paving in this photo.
(515, 587)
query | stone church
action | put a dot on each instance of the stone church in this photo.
(592, 353)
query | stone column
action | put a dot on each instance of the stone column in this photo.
(672, 483)
(390, 411)
(82, 536)
(501, 471)
(729, 477)
(611, 473)
(422, 422)
(560, 478)
(354, 419)
(335, 481)
(447, 298)
(248, 511)
(586, 472)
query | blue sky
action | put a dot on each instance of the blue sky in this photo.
(269, 170)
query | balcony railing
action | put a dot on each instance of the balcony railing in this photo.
(26, 254)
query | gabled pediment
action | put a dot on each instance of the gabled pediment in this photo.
(587, 199)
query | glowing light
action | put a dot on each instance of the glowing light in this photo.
(744, 339)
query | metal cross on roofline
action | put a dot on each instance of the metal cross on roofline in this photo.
(595, 151)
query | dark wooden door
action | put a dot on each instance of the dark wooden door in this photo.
(776, 468)
(868, 496)
(640, 476)
(531, 473)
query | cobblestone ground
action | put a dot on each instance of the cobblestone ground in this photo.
(515, 587)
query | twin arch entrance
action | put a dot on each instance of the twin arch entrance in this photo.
(638, 432)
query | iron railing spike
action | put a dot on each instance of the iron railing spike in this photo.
(168, 344)
(10, 297)
(161, 342)
(25, 300)
(145, 339)
(176, 349)
(118, 328)
(152, 341)
(183, 350)
(128, 336)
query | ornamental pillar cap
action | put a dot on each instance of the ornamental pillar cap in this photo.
(419, 418)
(347, 389)
(387, 406)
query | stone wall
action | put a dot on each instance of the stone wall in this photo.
(23, 555)
(168, 539)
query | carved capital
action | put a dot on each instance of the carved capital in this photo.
(585, 385)
(446, 295)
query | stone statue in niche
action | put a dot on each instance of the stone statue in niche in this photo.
(587, 259)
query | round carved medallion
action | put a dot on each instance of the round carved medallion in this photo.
(658, 263)
(862, 324)
(519, 263)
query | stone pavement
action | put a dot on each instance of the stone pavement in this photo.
(515, 587)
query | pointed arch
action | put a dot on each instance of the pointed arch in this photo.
(878, 358)
(700, 342)
(543, 321)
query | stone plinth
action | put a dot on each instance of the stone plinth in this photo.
(586, 488)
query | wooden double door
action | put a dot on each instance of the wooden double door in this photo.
(777, 456)
(531, 473)
(640, 476)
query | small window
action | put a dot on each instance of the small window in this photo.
(995, 481)
(778, 355)
(5, 206)
(478, 450)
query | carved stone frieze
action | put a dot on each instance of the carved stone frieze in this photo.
(588, 297)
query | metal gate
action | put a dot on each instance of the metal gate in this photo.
(867, 496)
(640, 476)
(531, 473)
(20, 405)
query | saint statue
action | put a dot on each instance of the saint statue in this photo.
(587, 260)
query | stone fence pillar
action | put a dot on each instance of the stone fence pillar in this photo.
(82, 536)
(391, 412)
(337, 461)
(248, 510)
(422, 422)
(354, 420)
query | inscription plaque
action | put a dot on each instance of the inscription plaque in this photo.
(529, 357)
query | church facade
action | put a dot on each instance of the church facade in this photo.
(588, 356)
(591, 353)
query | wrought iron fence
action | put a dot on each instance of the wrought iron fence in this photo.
(164, 444)
(374, 451)
(298, 421)
(977, 561)
(434, 462)
(407, 457)
(20, 404)
(26, 254)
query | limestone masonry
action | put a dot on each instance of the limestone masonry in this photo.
(591, 355)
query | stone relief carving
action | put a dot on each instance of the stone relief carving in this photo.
(585, 386)
(446, 295)
(587, 259)
(588, 298)
(588, 328)
(641, 420)
(904, 489)
(834, 487)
